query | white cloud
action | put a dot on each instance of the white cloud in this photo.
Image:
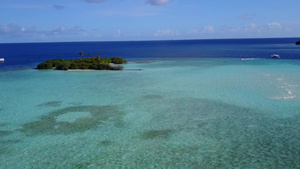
(20, 32)
(274, 26)
(23, 29)
(261, 28)
(166, 32)
(204, 30)
(253, 28)
(56, 31)
(247, 29)
(273, 29)
(208, 29)
(118, 34)
(158, 2)
(11, 29)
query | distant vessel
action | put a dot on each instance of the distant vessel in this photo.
(275, 56)
(1, 59)
(248, 58)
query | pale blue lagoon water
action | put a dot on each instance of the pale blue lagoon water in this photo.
(196, 113)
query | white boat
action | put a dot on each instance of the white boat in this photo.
(275, 56)
(1, 59)
(248, 58)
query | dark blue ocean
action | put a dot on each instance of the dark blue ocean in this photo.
(19, 55)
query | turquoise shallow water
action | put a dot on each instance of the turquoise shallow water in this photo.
(197, 113)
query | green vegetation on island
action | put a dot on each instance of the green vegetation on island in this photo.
(298, 43)
(94, 63)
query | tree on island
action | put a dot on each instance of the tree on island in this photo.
(81, 53)
(118, 60)
(98, 58)
(84, 63)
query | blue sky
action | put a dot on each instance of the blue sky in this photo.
(119, 20)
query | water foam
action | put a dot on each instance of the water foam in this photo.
(286, 92)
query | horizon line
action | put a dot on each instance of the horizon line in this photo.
(157, 40)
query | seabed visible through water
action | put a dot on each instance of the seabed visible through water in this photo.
(199, 113)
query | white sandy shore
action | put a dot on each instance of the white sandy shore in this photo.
(82, 70)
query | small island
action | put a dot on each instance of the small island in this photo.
(298, 43)
(94, 63)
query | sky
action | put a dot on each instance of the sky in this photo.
(134, 20)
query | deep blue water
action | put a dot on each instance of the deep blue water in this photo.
(20, 55)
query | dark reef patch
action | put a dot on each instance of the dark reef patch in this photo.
(152, 97)
(4, 133)
(50, 104)
(153, 134)
(75, 103)
(83, 165)
(226, 135)
(2, 124)
(5, 142)
(48, 124)
(4, 151)
(105, 143)
(10, 141)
